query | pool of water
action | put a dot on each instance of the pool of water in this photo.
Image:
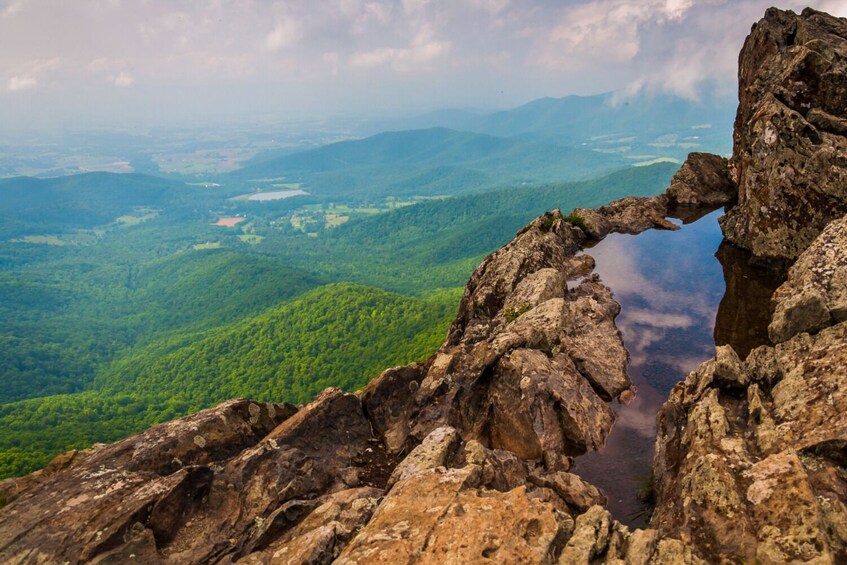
(672, 289)
(275, 195)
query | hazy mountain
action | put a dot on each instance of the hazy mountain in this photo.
(429, 161)
(657, 125)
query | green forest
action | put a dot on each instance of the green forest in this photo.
(125, 305)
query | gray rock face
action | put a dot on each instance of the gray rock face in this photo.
(815, 294)
(757, 476)
(790, 152)
(703, 180)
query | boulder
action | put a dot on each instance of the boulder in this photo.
(702, 180)
(815, 294)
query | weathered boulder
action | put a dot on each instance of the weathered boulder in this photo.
(320, 536)
(729, 481)
(436, 450)
(630, 215)
(440, 516)
(702, 180)
(815, 294)
(141, 490)
(790, 154)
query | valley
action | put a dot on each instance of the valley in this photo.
(132, 299)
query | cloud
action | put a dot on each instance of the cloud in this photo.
(609, 30)
(421, 52)
(834, 7)
(124, 80)
(9, 9)
(286, 32)
(490, 6)
(480, 53)
(22, 82)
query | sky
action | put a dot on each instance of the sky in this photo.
(126, 62)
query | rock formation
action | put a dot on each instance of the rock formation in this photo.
(466, 457)
(790, 151)
(751, 455)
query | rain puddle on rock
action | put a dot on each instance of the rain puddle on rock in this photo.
(672, 289)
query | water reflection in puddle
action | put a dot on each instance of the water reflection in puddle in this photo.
(670, 286)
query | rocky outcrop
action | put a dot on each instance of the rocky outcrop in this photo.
(815, 295)
(790, 151)
(749, 462)
(750, 455)
(703, 180)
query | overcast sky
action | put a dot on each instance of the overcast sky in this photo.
(111, 62)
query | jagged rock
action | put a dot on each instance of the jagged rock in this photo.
(440, 517)
(501, 470)
(790, 154)
(531, 376)
(728, 370)
(12, 488)
(577, 494)
(815, 294)
(321, 536)
(782, 500)
(547, 242)
(387, 400)
(811, 399)
(703, 180)
(592, 330)
(590, 537)
(436, 450)
(154, 479)
(729, 481)
(630, 215)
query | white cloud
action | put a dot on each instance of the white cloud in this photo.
(423, 50)
(9, 9)
(490, 6)
(606, 30)
(286, 32)
(22, 82)
(415, 53)
(834, 7)
(124, 80)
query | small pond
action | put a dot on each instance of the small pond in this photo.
(275, 195)
(680, 292)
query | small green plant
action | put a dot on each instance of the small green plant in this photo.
(513, 314)
(548, 223)
(575, 220)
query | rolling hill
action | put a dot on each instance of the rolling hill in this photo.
(427, 162)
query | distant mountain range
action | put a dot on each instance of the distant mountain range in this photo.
(429, 161)
(550, 139)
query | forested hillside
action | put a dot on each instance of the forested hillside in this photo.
(337, 335)
(144, 307)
